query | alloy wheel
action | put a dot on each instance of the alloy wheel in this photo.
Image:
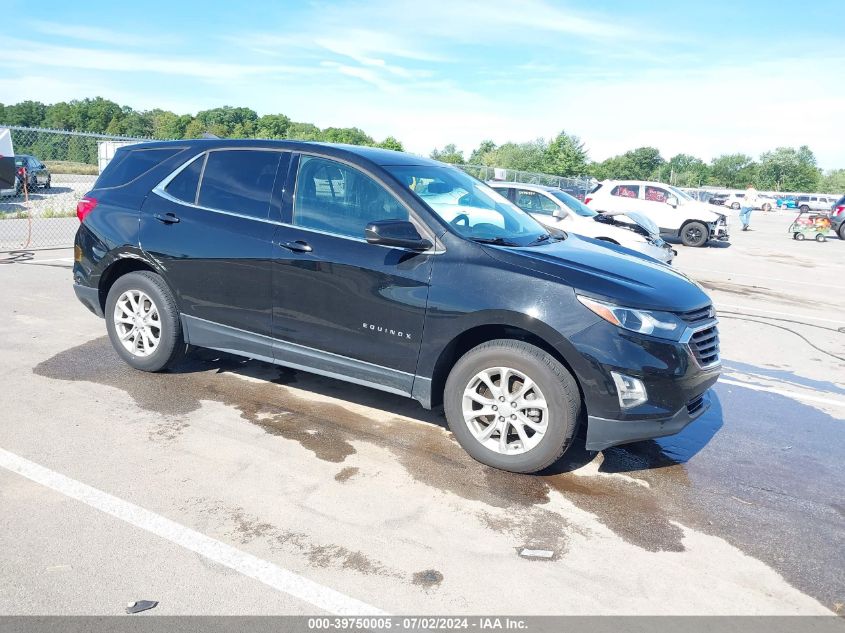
(505, 410)
(137, 323)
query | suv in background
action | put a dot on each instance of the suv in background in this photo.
(837, 218)
(399, 273)
(815, 203)
(718, 199)
(557, 209)
(676, 213)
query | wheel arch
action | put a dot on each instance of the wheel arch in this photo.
(477, 334)
(121, 265)
(706, 224)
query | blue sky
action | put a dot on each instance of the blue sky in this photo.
(701, 77)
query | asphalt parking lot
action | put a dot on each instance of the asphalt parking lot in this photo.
(235, 487)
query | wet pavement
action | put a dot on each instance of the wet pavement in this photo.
(761, 471)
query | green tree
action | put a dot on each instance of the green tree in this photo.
(733, 170)
(449, 154)
(26, 113)
(391, 143)
(528, 156)
(478, 154)
(833, 182)
(565, 156)
(788, 169)
(228, 121)
(643, 163)
(348, 135)
(304, 132)
(167, 125)
(273, 126)
(684, 170)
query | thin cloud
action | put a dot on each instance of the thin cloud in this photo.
(89, 34)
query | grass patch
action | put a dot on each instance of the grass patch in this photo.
(71, 167)
(52, 213)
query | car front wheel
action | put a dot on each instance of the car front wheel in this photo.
(143, 322)
(512, 406)
(694, 234)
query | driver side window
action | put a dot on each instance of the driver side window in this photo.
(656, 194)
(336, 198)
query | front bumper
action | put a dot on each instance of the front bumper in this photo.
(719, 231)
(604, 432)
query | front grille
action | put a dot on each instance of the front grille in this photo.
(695, 316)
(704, 345)
(695, 405)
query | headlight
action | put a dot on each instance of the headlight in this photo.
(661, 324)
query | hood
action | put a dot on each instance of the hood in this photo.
(636, 218)
(702, 210)
(607, 271)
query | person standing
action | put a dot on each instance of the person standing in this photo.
(748, 206)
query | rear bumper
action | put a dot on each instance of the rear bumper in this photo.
(603, 432)
(90, 298)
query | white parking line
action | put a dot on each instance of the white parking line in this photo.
(797, 395)
(41, 261)
(271, 575)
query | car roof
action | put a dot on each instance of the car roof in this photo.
(375, 155)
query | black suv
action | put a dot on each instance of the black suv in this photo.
(399, 273)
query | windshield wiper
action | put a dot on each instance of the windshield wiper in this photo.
(498, 241)
(540, 239)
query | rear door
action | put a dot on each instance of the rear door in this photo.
(208, 227)
(655, 204)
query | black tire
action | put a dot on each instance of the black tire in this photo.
(804, 208)
(735, 205)
(800, 237)
(554, 381)
(820, 237)
(694, 234)
(841, 231)
(171, 346)
(767, 207)
(47, 184)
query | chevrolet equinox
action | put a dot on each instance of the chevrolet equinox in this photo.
(398, 273)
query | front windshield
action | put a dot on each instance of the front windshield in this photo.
(683, 195)
(473, 209)
(574, 204)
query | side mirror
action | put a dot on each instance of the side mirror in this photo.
(399, 233)
(672, 201)
(560, 213)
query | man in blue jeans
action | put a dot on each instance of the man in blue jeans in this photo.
(748, 206)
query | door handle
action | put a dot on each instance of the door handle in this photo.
(167, 218)
(297, 247)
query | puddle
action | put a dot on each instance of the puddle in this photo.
(758, 292)
(328, 431)
(346, 474)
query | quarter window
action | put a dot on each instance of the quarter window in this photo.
(240, 181)
(184, 186)
(336, 198)
(626, 191)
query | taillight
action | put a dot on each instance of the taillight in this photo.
(84, 207)
(20, 171)
(587, 200)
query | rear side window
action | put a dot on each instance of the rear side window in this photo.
(184, 186)
(626, 191)
(130, 164)
(240, 181)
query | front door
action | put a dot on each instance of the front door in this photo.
(341, 305)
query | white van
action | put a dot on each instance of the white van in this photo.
(676, 213)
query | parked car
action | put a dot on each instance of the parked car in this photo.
(14, 191)
(837, 218)
(676, 213)
(766, 203)
(718, 199)
(786, 202)
(734, 200)
(37, 174)
(815, 203)
(399, 273)
(557, 209)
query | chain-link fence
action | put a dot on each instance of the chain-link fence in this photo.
(578, 187)
(54, 169)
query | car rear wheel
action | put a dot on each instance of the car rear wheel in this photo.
(143, 322)
(842, 231)
(512, 406)
(767, 207)
(735, 205)
(47, 184)
(804, 208)
(694, 234)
